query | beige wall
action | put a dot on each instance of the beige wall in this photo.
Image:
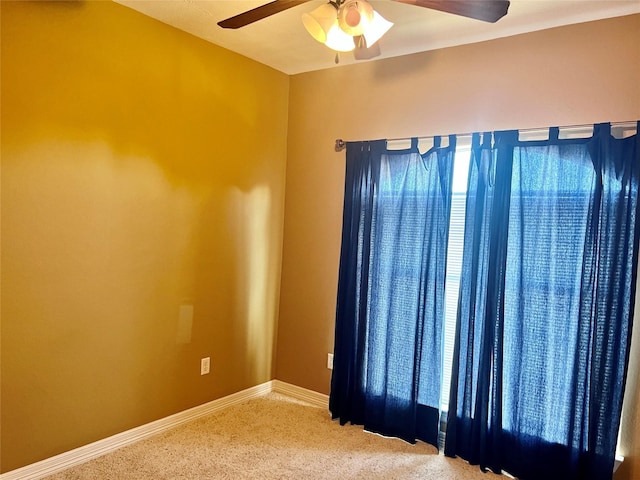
(579, 74)
(142, 169)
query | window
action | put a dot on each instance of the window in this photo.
(454, 261)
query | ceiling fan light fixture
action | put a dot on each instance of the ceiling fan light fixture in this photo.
(338, 23)
(338, 40)
(320, 21)
(355, 16)
(376, 29)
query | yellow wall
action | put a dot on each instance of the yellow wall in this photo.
(142, 169)
(574, 75)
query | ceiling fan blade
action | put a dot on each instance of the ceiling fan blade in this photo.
(259, 13)
(485, 10)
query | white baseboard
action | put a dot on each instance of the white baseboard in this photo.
(309, 396)
(85, 453)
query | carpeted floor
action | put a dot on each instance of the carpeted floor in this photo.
(272, 437)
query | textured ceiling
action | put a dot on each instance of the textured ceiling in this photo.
(281, 41)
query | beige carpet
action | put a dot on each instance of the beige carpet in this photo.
(272, 437)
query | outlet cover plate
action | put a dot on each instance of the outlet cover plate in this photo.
(205, 365)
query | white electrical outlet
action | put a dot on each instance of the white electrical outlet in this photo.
(205, 365)
(330, 361)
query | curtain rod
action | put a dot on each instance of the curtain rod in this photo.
(342, 144)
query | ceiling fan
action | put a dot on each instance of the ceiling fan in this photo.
(346, 25)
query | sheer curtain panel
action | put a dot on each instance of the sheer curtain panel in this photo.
(546, 304)
(390, 306)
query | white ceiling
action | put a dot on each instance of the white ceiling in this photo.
(281, 42)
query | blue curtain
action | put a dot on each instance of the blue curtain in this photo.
(546, 304)
(388, 338)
